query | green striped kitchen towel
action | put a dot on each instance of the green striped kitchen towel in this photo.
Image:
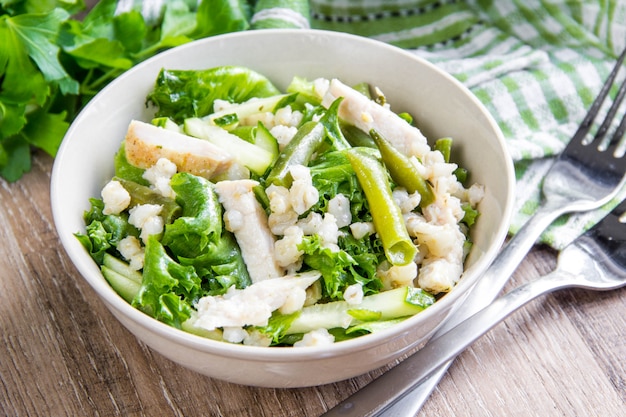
(535, 64)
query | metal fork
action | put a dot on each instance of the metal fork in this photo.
(584, 177)
(595, 261)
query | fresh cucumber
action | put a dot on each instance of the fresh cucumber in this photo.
(392, 304)
(126, 287)
(317, 316)
(255, 158)
(399, 302)
(121, 267)
(188, 326)
(263, 138)
(166, 123)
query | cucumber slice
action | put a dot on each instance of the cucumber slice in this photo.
(166, 123)
(392, 304)
(125, 287)
(265, 140)
(121, 267)
(399, 302)
(255, 158)
(188, 326)
(317, 316)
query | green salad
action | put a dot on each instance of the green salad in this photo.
(301, 217)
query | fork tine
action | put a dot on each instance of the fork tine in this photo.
(610, 115)
(584, 127)
(616, 140)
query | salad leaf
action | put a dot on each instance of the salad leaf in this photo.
(221, 266)
(334, 266)
(197, 238)
(103, 232)
(339, 268)
(168, 288)
(367, 252)
(305, 89)
(182, 94)
(330, 121)
(124, 170)
(201, 221)
(277, 326)
(332, 174)
(54, 58)
(216, 17)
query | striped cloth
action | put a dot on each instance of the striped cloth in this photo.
(535, 64)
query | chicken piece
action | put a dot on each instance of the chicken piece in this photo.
(245, 217)
(253, 305)
(437, 275)
(146, 144)
(367, 114)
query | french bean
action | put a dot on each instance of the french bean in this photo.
(386, 215)
(355, 136)
(444, 145)
(402, 170)
(140, 194)
(330, 120)
(297, 152)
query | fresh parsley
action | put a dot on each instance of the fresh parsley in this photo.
(55, 56)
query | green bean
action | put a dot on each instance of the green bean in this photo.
(444, 145)
(386, 215)
(297, 152)
(402, 170)
(140, 194)
(355, 136)
(363, 88)
(330, 120)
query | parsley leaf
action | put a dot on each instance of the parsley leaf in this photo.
(54, 58)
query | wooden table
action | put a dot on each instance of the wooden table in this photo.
(63, 354)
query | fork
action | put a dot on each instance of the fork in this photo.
(584, 177)
(595, 261)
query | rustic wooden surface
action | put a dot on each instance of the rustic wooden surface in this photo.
(63, 354)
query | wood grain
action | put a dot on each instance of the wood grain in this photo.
(63, 354)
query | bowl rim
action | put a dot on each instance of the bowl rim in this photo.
(274, 354)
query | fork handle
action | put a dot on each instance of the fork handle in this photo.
(371, 400)
(483, 293)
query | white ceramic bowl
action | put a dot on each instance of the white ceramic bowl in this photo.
(445, 108)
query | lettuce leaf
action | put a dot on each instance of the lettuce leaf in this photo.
(350, 265)
(221, 266)
(181, 94)
(168, 289)
(104, 231)
(201, 220)
(197, 238)
(332, 174)
(53, 60)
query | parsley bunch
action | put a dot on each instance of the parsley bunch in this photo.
(54, 57)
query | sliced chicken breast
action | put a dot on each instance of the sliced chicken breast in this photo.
(366, 114)
(146, 144)
(245, 217)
